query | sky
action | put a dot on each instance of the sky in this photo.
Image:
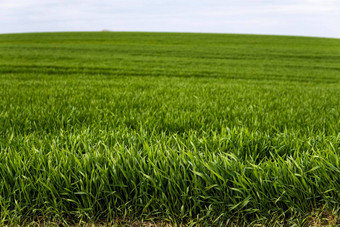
(279, 17)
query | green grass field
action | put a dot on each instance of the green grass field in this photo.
(178, 128)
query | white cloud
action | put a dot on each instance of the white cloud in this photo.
(291, 17)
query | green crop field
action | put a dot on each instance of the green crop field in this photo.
(169, 128)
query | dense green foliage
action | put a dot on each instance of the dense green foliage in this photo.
(179, 127)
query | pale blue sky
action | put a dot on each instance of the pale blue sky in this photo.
(282, 17)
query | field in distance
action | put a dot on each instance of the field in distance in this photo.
(169, 128)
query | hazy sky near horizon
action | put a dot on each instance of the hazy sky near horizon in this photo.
(285, 17)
